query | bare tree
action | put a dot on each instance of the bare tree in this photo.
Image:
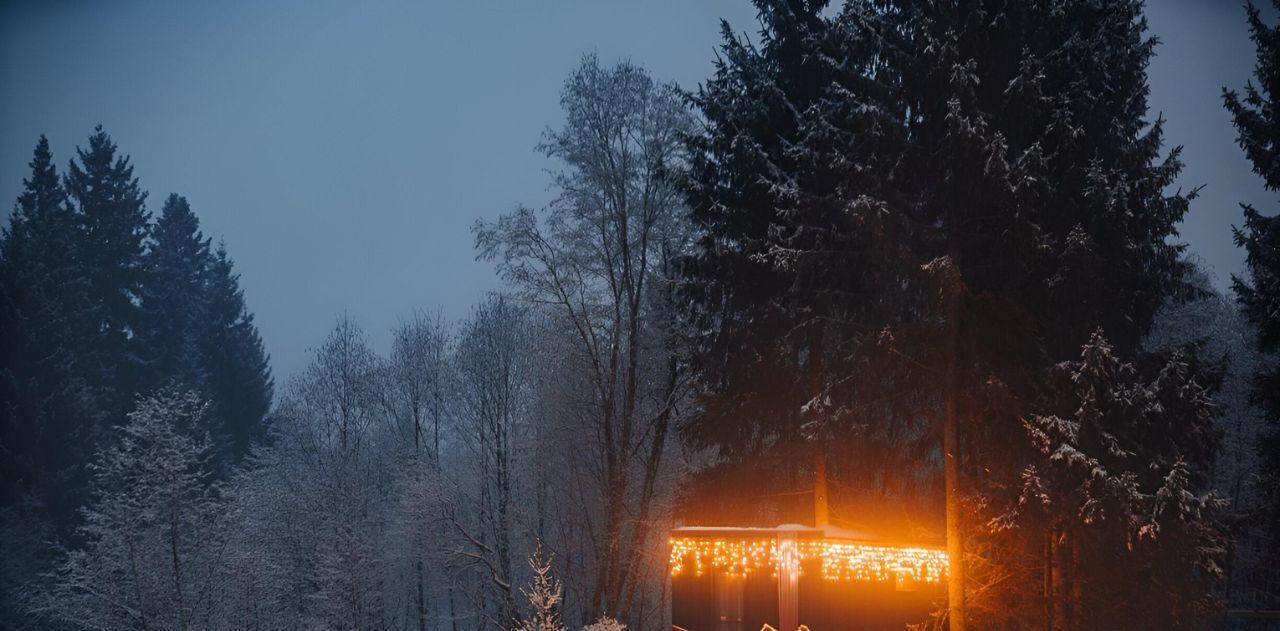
(148, 549)
(416, 385)
(598, 258)
(337, 396)
(332, 422)
(495, 391)
(417, 380)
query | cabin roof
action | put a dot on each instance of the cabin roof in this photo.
(808, 532)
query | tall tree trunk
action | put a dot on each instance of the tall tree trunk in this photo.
(421, 596)
(1063, 614)
(1075, 600)
(1047, 551)
(177, 571)
(614, 527)
(821, 509)
(416, 545)
(137, 584)
(951, 452)
(622, 557)
(453, 612)
(503, 543)
(614, 495)
(653, 465)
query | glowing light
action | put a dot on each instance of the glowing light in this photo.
(840, 560)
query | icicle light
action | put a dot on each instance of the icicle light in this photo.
(840, 560)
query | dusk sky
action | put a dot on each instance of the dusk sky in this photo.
(343, 150)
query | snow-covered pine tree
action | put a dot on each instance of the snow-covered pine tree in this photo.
(544, 596)
(900, 191)
(1215, 323)
(1120, 481)
(1256, 115)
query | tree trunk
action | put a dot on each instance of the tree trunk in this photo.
(453, 612)
(421, 596)
(137, 585)
(1063, 612)
(177, 572)
(653, 465)
(1048, 579)
(415, 543)
(951, 454)
(1075, 600)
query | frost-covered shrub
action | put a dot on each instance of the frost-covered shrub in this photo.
(605, 623)
(544, 596)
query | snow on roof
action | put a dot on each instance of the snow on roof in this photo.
(825, 532)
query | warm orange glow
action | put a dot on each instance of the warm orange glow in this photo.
(841, 560)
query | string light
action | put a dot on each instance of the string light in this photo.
(840, 559)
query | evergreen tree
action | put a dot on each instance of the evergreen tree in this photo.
(914, 211)
(1256, 115)
(1119, 474)
(114, 226)
(235, 364)
(173, 296)
(198, 333)
(47, 407)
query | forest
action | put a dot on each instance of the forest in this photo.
(927, 253)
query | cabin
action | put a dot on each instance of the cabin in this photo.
(825, 578)
(791, 577)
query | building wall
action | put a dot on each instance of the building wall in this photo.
(825, 605)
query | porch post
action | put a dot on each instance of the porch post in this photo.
(788, 582)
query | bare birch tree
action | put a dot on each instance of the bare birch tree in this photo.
(333, 422)
(597, 258)
(416, 388)
(495, 393)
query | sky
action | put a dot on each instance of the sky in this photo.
(343, 150)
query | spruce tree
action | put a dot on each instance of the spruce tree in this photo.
(913, 212)
(113, 228)
(173, 297)
(47, 406)
(1122, 458)
(1256, 115)
(197, 332)
(235, 363)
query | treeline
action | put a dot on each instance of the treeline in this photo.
(406, 490)
(931, 246)
(99, 306)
